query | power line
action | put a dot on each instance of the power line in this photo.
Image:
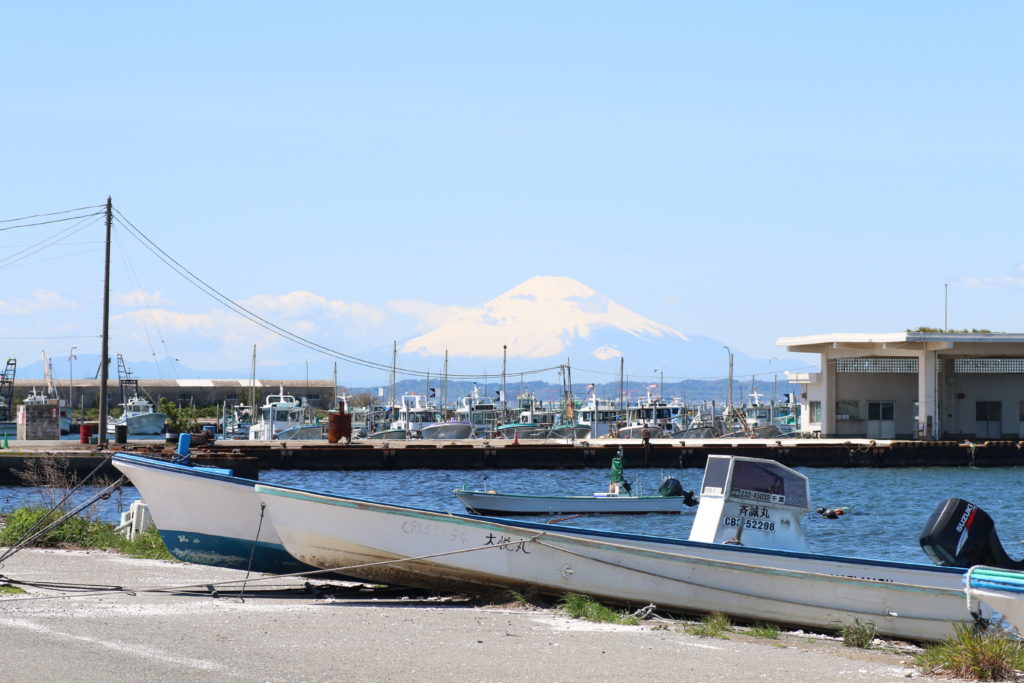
(255, 318)
(44, 244)
(55, 220)
(55, 213)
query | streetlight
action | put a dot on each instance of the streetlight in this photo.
(729, 351)
(71, 381)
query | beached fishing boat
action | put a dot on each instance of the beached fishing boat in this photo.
(206, 516)
(746, 557)
(619, 498)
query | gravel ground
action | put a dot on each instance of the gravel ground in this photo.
(281, 631)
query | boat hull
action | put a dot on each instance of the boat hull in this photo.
(208, 518)
(141, 425)
(394, 544)
(308, 432)
(484, 503)
(448, 430)
(569, 432)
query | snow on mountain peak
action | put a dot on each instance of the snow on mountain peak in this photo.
(538, 318)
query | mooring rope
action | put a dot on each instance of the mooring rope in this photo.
(206, 585)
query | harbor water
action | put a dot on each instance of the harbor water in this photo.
(886, 508)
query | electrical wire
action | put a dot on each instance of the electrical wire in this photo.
(51, 241)
(56, 220)
(255, 318)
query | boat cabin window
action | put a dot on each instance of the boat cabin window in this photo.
(766, 478)
(716, 472)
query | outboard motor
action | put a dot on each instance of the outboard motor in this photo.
(960, 534)
(670, 486)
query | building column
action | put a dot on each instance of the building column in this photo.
(828, 400)
(927, 419)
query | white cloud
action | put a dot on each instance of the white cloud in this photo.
(40, 300)
(996, 282)
(606, 352)
(429, 315)
(138, 297)
(302, 304)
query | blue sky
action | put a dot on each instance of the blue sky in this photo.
(737, 170)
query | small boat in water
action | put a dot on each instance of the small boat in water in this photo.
(618, 499)
(746, 557)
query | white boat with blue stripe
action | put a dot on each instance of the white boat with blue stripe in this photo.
(746, 557)
(207, 516)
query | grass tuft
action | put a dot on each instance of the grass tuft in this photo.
(584, 607)
(6, 588)
(714, 625)
(760, 630)
(79, 532)
(858, 634)
(972, 655)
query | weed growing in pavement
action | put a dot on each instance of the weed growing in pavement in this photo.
(764, 631)
(8, 589)
(858, 634)
(79, 532)
(584, 607)
(714, 625)
(517, 597)
(973, 655)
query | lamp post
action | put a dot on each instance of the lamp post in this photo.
(71, 381)
(729, 388)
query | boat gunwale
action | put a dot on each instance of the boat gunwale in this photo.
(461, 518)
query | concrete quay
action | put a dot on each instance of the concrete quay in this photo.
(279, 631)
(247, 458)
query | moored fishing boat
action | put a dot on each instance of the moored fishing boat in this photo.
(283, 417)
(618, 499)
(141, 418)
(746, 504)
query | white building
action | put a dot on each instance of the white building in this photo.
(904, 385)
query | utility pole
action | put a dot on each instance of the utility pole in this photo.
(945, 308)
(104, 346)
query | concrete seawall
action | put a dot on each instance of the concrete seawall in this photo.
(247, 458)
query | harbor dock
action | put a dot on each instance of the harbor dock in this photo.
(247, 458)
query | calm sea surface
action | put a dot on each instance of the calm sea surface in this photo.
(887, 507)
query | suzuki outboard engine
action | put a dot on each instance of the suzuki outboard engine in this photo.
(960, 534)
(670, 486)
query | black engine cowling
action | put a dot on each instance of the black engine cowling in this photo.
(670, 486)
(958, 533)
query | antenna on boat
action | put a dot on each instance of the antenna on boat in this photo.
(104, 345)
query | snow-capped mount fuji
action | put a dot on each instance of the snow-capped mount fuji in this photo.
(546, 320)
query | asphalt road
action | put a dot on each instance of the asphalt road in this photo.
(281, 632)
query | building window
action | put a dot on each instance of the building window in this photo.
(988, 366)
(815, 411)
(313, 397)
(887, 366)
(988, 411)
(848, 410)
(231, 396)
